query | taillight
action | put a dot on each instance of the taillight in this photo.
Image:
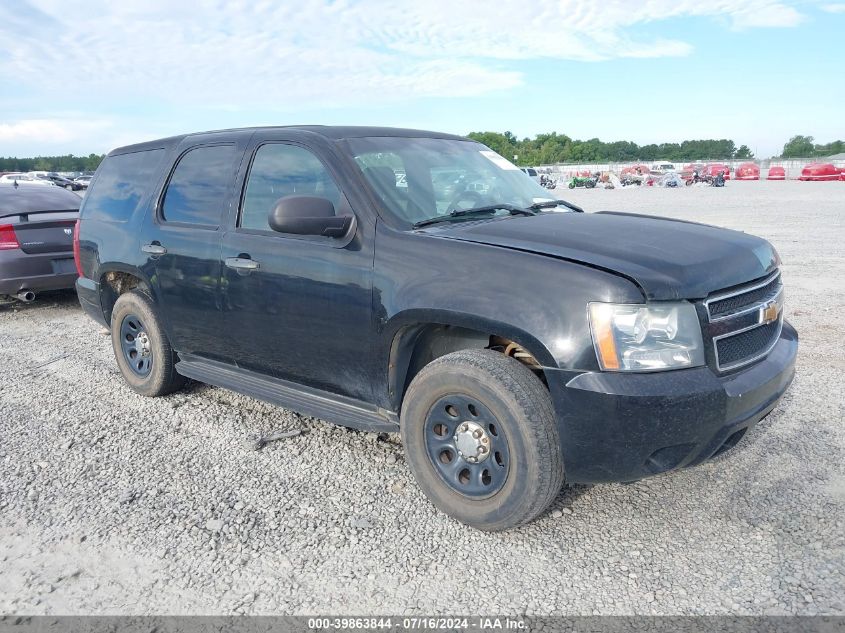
(8, 239)
(76, 258)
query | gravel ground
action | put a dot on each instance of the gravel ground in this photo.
(111, 503)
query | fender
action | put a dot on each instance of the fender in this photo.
(460, 330)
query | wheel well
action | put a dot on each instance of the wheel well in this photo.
(416, 346)
(115, 283)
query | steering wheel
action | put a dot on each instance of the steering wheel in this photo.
(474, 196)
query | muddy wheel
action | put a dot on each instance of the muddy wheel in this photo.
(141, 348)
(480, 436)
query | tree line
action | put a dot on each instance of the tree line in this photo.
(543, 149)
(547, 149)
(805, 147)
(67, 162)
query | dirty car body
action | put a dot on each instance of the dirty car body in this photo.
(339, 326)
(36, 231)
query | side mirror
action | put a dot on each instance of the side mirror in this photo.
(308, 215)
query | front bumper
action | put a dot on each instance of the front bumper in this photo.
(623, 427)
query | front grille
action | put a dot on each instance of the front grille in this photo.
(740, 323)
(735, 349)
(743, 299)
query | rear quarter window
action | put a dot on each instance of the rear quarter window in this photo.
(199, 185)
(120, 183)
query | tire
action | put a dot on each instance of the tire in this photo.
(135, 324)
(512, 409)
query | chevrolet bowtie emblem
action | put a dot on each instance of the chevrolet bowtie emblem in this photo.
(769, 312)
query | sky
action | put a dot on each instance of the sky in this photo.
(87, 76)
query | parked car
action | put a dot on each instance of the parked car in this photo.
(776, 172)
(662, 168)
(513, 340)
(59, 181)
(714, 169)
(83, 181)
(748, 171)
(36, 231)
(24, 179)
(532, 173)
(820, 171)
(636, 170)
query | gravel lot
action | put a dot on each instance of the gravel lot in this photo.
(111, 503)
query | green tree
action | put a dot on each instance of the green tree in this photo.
(743, 152)
(798, 147)
(499, 143)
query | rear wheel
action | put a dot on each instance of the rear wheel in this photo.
(141, 348)
(480, 436)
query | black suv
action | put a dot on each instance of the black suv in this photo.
(399, 280)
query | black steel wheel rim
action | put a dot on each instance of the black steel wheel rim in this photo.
(467, 446)
(135, 345)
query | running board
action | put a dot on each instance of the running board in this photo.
(317, 403)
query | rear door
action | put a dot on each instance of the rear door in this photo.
(304, 312)
(182, 241)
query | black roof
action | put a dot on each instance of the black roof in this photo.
(31, 198)
(332, 132)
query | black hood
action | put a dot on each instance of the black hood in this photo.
(668, 259)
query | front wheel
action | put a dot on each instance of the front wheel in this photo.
(481, 439)
(141, 347)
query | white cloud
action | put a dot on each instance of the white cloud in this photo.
(833, 8)
(323, 52)
(53, 130)
(775, 15)
(158, 57)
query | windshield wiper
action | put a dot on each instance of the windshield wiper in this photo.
(556, 203)
(490, 208)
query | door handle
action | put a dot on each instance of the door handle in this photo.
(241, 263)
(154, 249)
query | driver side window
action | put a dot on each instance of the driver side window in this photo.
(280, 170)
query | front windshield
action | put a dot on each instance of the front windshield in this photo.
(422, 178)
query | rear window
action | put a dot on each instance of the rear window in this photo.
(121, 182)
(199, 186)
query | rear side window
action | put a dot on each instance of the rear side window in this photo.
(199, 187)
(121, 182)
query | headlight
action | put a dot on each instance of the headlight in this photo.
(646, 337)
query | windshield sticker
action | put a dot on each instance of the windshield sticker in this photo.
(499, 161)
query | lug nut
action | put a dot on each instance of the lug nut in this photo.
(482, 449)
(465, 427)
(476, 433)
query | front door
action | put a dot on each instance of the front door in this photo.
(295, 307)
